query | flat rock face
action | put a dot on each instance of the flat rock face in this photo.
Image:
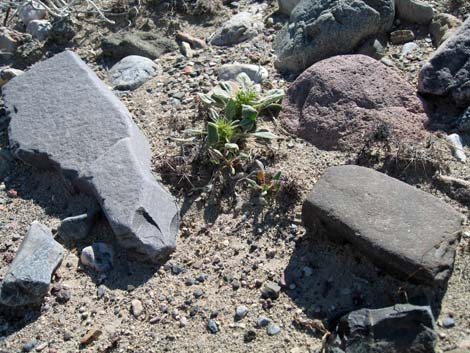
(402, 328)
(405, 230)
(447, 73)
(339, 102)
(308, 38)
(29, 275)
(63, 117)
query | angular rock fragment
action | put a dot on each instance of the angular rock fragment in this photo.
(401, 228)
(63, 117)
(77, 227)
(29, 275)
(339, 102)
(149, 45)
(239, 28)
(98, 256)
(447, 73)
(320, 29)
(402, 328)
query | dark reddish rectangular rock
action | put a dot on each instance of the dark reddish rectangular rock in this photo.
(399, 227)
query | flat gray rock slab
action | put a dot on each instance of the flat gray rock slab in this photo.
(29, 275)
(63, 117)
(402, 328)
(401, 228)
(447, 73)
(132, 72)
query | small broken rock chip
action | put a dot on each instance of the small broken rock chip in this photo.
(447, 73)
(132, 72)
(91, 335)
(402, 328)
(137, 308)
(339, 102)
(29, 275)
(63, 117)
(401, 228)
(98, 256)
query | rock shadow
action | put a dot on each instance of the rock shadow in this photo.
(327, 280)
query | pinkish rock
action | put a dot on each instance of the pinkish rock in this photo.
(338, 103)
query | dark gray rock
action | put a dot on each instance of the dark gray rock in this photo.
(271, 290)
(132, 72)
(98, 256)
(64, 118)
(286, 6)
(447, 73)
(239, 28)
(402, 328)
(414, 11)
(308, 38)
(77, 227)
(29, 275)
(149, 45)
(401, 228)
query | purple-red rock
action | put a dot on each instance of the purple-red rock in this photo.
(337, 103)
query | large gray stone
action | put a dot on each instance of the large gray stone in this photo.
(401, 228)
(402, 328)
(320, 29)
(239, 28)
(447, 73)
(414, 11)
(147, 44)
(64, 117)
(29, 275)
(132, 72)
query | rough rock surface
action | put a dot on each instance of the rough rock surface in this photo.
(339, 102)
(239, 28)
(39, 29)
(149, 45)
(442, 27)
(286, 6)
(402, 328)
(447, 73)
(132, 72)
(63, 117)
(29, 275)
(414, 11)
(256, 73)
(307, 39)
(77, 227)
(398, 226)
(32, 11)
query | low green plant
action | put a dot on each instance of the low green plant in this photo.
(265, 182)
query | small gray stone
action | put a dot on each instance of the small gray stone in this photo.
(256, 73)
(98, 256)
(29, 275)
(273, 330)
(271, 290)
(29, 346)
(448, 322)
(263, 321)
(198, 293)
(390, 221)
(212, 326)
(137, 308)
(402, 328)
(186, 50)
(409, 48)
(31, 11)
(77, 227)
(414, 11)
(239, 28)
(39, 29)
(456, 145)
(240, 312)
(132, 72)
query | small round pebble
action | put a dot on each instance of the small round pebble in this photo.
(448, 322)
(273, 329)
(212, 326)
(198, 293)
(189, 281)
(262, 321)
(240, 312)
(28, 346)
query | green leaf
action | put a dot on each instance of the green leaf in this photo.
(265, 135)
(245, 82)
(232, 147)
(206, 99)
(273, 96)
(212, 134)
(231, 110)
(249, 113)
(277, 176)
(252, 183)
